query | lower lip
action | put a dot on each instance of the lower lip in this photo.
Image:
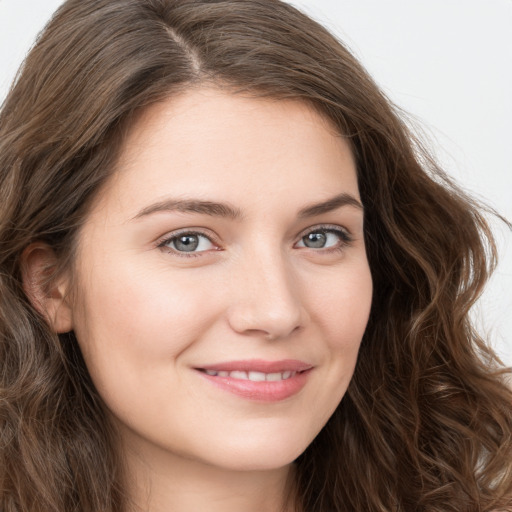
(263, 391)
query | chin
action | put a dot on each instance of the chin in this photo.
(263, 454)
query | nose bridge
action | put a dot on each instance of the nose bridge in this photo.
(267, 299)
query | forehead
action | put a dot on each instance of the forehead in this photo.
(231, 147)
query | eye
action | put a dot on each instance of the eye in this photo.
(188, 242)
(325, 238)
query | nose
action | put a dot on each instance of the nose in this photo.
(266, 299)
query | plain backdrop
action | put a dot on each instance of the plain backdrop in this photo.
(446, 62)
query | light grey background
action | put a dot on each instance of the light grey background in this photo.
(447, 62)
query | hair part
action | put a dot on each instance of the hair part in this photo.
(427, 421)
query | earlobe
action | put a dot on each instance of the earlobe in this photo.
(49, 296)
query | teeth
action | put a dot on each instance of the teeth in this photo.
(256, 376)
(253, 376)
(238, 375)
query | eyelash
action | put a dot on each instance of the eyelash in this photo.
(345, 238)
(175, 236)
(343, 234)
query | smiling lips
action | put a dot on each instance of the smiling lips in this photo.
(253, 376)
(267, 381)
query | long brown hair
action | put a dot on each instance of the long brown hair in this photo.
(426, 424)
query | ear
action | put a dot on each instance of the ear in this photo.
(47, 295)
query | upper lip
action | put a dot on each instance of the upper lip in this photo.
(259, 365)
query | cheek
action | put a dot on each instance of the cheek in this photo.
(142, 311)
(343, 309)
(133, 325)
(341, 313)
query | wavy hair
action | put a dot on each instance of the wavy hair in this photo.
(426, 424)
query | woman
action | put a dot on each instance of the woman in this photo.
(232, 280)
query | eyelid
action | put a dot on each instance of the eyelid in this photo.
(162, 242)
(345, 234)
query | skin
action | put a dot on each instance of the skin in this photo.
(147, 316)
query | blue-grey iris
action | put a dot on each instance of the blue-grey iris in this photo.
(186, 243)
(315, 240)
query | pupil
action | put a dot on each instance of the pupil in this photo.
(187, 243)
(315, 240)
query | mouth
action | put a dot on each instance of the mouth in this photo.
(265, 381)
(253, 376)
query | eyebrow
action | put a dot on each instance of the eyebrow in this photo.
(216, 209)
(192, 206)
(331, 204)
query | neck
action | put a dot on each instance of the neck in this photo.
(169, 483)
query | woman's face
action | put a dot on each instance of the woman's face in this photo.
(223, 285)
